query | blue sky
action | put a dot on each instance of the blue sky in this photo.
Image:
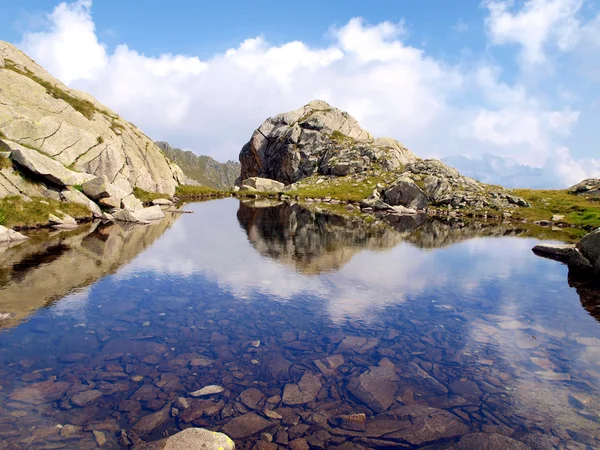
(514, 79)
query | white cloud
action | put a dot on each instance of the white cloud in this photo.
(540, 25)
(394, 89)
(69, 49)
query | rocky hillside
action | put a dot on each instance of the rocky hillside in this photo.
(39, 113)
(589, 187)
(203, 169)
(317, 138)
(321, 145)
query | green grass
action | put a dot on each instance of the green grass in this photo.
(78, 187)
(341, 138)
(579, 210)
(85, 107)
(186, 191)
(146, 196)
(341, 188)
(15, 212)
(5, 163)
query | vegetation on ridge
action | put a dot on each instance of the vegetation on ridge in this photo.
(579, 210)
(147, 197)
(85, 107)
(186, 191)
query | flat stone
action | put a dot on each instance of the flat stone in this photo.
(162, 202)
(86, 398)
(38, 393)
(151, 422)
(427, 425)
(208, 390)
(48, 168)
(375, 387)
(251, 397)
(131, 203)
(304, 392)
(8, 235)
(199, 439)
(245, 426)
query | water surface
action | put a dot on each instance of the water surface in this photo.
(302, 318)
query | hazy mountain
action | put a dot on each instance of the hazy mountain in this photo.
(203, 169)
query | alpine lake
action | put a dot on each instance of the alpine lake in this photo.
(281, 325)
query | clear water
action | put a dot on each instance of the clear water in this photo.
(105, 326)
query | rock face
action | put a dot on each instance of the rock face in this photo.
(203, 169)
(590, 186)
(38, 111)
(316, 138)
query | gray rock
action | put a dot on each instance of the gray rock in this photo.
(45, 167)
(589, 247)
(110, 202)
(131, 203)
(263, 184)
(124, 215)
(590, 186)
(245, 426)
(375, 387)
(64, 221)
(405, 192)
(488, 441)
(8, 235)
(304, 392)
(199, 439)
(150, 213)
(96, 188)
(316, 138)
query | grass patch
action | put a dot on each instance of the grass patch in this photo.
(15, 212)
(187, 191)
(85, 107)
(341, 188)
(100, 140)
(579, 210)
(2, 135)
(146, 196)
(5, 163)
(340, 138)
(116, 127)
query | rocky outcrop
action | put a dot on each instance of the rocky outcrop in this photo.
(39, 112)
(582, 257)
(590, 186)
(203, 170)
(431, 182)
(317, 138)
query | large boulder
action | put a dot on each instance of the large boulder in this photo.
(405, 192)
(46, 167)
(96, 188)
(141, 216)
(589, 247)
(74, 196)
(317, 138)
(199, 439)
(38, 110)
(263, 184)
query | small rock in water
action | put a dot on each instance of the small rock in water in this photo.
(208, 390)
(100, 438)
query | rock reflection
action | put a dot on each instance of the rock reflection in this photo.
(51, 264)
(588, 291)
(311, 241)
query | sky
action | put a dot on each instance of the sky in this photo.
(506, 90)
